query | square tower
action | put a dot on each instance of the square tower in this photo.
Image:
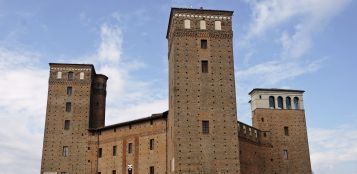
(75, 105)
(202, 122)
(281, 112)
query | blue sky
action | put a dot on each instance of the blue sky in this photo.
(305, 44)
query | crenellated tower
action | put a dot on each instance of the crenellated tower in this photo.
(202, 122)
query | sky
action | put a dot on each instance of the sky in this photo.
(306, 44)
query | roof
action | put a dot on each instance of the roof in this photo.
(75, 64)
(137, 121)
(193, 10)
(276, 90)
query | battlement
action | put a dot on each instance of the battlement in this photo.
(199, 19)
(252, 134)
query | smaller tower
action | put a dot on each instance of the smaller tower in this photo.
(281, 112)
(99, 93)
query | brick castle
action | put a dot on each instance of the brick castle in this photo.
(199, 134)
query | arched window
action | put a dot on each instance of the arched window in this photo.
(70, 75)
(202, 25)
(187, 24)
(288, 103)
(296, 102)
(271, 102)
(280, 102)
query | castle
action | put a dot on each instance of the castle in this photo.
(199, 134)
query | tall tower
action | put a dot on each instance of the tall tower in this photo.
(75, 103)
(281, 112)
(202, 122)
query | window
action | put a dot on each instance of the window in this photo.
(152, 144)
(130, 147)
(65, 151)
(59, 75)
(285, 155)
(288, 103)
(203, 43)
(70, 75)
(81, 75)
(271, 102)
(296, 102)
(63, 172)
(66, 124)
(187, 24)
(114, 172)
(202, 25)
(68, 107)
(69, 91)
(205, 126)
(217, 25)
(204, 64)
(99, 173)
(114, 150)
(100, 153)
(280, 102)
(286, 131)
(152, 170)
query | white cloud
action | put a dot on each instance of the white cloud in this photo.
(110, 48)
(296, 22)
(308, 16)
(22, 110)
(332, 148)
(272, 72)
(24, 91)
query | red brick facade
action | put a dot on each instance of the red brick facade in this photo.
(199, 134)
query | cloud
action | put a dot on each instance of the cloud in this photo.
(110, 49)
(294, 24)
(22, 110)
(272, 72)
(297, 21)
(24, 91)
(332, 148)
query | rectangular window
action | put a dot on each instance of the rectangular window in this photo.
(187, 24)
(285, 154)
(152, 170)
(66, 124)
(204, 65)
(130, 147)
(69, 91)
(203, 43)
(202, 25)
(152, 144)
(65, 151)
(81, 75)
(286, 131)
(70, 75)
(99, 173)
(114, 150)
(217, 25)
(100, 153)
(63, 172)
(114, 172)
(59, 75)
(205, 127)
(68, 107)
